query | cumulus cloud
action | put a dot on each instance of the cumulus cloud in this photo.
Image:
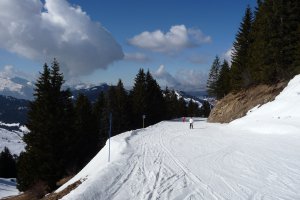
(185, 79)
(178, 38)
(136, 57)
(42, 31)
(10, 72)
(227, 55)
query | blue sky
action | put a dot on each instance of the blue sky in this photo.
(176, 40)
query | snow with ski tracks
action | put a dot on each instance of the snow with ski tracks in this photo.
(255, 157)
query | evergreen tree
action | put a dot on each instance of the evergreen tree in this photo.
(213, 77)
(117, 104)
(193, 109)
(138, 99)
(86, 137)
(240, 72)
(7, 164)
(102, 122)
(223, 82)
(170, 100)
(154, 101)
(273, 51)
(205, 109)
(50, 121)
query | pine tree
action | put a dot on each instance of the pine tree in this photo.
(223, 82)
(205, 109)
(50, 121)
(155, 109)
(117, 104)
(213, 77)
(193, 109)
(273, 51)
(138, 99)
(101, 116)
(85, 138)
(7, 164)
(240, 72)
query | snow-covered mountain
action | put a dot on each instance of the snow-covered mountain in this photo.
(187, 98)
(12, 139)
(16, 87)
(21, 88)
(91, 91)
(254, 157)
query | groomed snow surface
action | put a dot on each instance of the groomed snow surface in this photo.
(255, 157)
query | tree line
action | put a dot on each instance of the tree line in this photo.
(65, 134)
(266, 49)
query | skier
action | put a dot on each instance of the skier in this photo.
(191, 123)
(183, 119)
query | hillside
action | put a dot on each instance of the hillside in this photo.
(245, 159)
(236, 105)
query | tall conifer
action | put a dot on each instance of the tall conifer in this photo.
(240, 72)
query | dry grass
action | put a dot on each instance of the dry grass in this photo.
(38, 192)
(236, 105)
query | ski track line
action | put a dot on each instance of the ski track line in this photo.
(188, 173)
(155, 176)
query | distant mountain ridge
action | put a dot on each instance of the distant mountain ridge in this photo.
(91, 92)
(21, 88)
(16, 87)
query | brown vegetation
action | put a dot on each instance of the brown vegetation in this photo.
(236, 105)
(38, 192)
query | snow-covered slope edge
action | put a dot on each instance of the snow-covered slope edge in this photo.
(99, 165)
(279, 116)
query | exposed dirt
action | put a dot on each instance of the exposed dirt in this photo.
(59, 195)
(236, 105)
(31, 195)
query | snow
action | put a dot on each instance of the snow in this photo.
(187, 99)
(8, 187)
(255, 157)
(281, 116)
(12, 140)
(7, 84)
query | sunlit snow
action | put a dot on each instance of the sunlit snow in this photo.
(255, 157)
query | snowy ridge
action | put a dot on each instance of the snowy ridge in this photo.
(211, 161)
(16, 87)
(188, 99)
(12, 139)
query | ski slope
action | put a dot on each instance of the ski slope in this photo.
(255, 157)
(169, 161)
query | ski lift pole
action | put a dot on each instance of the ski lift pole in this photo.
(109, 135)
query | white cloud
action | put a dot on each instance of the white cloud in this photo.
(178, 38)
(56, 29)
(185, 79)
(10, 72)
(138, 57)
(227, 55)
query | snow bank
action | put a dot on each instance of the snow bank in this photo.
(99, 164)
(280, 116)
(8, 187)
